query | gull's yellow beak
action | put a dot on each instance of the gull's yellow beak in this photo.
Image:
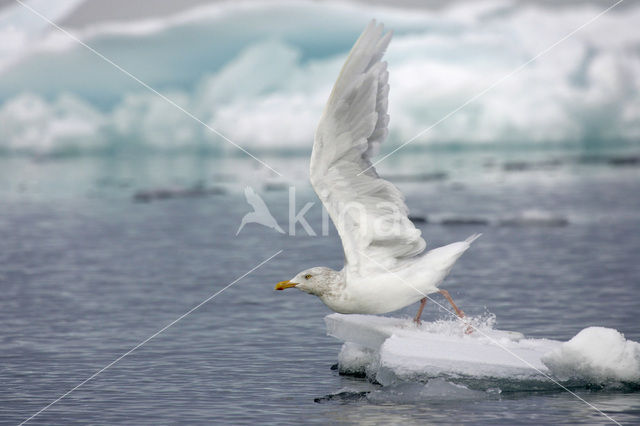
(285, 284)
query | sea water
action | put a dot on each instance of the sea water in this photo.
(87, 272)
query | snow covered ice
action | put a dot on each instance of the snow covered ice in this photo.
(597, 354)
(392, 351)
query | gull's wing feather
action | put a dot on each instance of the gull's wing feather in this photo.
(368, 212)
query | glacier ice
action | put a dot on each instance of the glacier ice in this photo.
(392, 351)
(266, 84)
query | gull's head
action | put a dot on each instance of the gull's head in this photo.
(315, 280)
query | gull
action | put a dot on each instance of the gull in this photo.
(385, 266)
(260, 214)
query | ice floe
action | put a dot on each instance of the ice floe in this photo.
(597, 354)
(392, 351)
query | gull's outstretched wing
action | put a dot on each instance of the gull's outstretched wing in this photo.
(368, 212)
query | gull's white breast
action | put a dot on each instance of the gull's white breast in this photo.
(383, 291)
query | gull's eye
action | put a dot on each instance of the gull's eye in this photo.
(306, 277)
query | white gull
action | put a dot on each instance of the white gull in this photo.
(386, 267)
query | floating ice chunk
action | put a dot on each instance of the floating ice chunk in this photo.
(427, 355)
(535, 218)
(196, 191)
(596, 354)
(355, 359)
(369, 331)
(391, 350)
(464, 221)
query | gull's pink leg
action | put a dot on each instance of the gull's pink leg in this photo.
(423, 302)
(446, 294)
(459, 311)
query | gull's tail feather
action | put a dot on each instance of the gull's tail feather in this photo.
(472, 238)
